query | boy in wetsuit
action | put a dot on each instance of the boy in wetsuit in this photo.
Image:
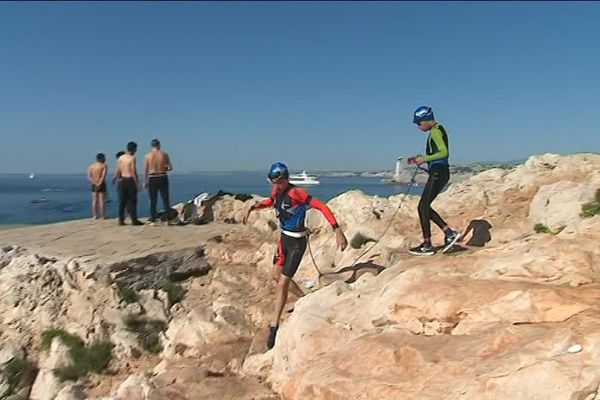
(97, 177)
(436, 157)
(291, 203)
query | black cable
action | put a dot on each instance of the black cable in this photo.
(410, 185)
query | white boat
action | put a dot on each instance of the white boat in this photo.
(304, 179)
(31, 176)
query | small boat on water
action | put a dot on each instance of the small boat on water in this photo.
(304, 179)
(31, 176)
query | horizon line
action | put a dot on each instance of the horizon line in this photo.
(512, 162)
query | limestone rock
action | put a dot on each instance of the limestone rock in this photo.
(136, 387)
(154, 308)
(258, 364)
(47, 385)
(71, 392)
(559, 204)
(515, 319)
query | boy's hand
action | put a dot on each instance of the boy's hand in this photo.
(340, 238)
(418, 160)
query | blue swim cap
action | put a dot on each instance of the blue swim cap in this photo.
(278, 171)
(423, 113)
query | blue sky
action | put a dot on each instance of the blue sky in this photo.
(235, 86)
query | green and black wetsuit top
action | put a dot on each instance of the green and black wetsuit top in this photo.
(437, 152)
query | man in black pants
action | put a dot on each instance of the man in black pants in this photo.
(128, 185)
(436, 157)
(156, 165)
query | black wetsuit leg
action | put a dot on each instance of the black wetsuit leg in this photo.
(438, 178)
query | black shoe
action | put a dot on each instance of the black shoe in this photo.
(137, 222)
(424, 249)
(272, 334)
(121, 222)
(450, 239)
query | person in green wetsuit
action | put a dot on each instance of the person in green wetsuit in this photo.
(436, 157)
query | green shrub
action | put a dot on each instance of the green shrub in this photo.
(127, 294)
(18, 373)
(590, 209)
(68, 339)
(85, 359)
(133, 322)
(150, 338)
(94, 358)
(148, 332)
(541, 228)
(174, 291)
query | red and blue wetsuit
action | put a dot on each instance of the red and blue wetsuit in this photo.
(291, 206)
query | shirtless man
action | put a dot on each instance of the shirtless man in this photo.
(156, 166)
(116, 178)
(128, 185)
(97, 177)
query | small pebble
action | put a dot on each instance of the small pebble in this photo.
(576, 348)
(309, 284)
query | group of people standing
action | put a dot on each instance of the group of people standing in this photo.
(157, 164)
(289, 202)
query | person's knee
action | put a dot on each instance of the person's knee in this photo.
(423, 208)
(284, 281)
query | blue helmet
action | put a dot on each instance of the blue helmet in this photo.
(278, 171)
(423, 113)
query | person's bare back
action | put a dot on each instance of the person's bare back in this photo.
(158, 162)
(126, 167)
(97, 173)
